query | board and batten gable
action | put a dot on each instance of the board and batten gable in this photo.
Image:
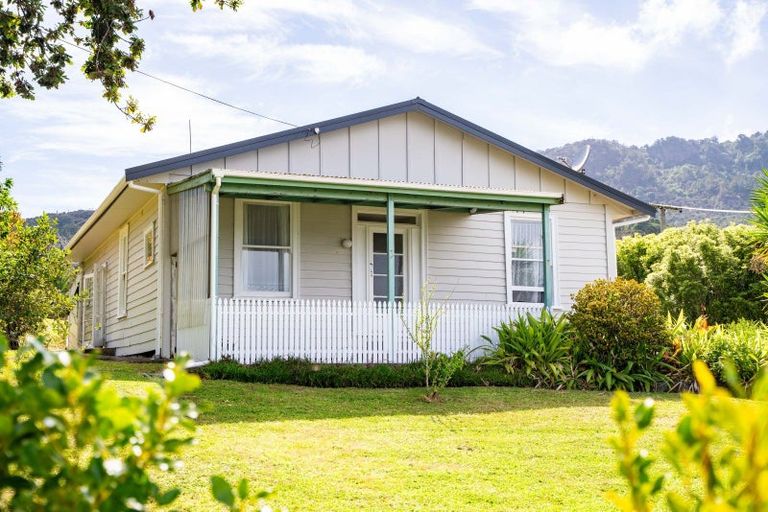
(464, 254)
(411, 147)
(136, 331)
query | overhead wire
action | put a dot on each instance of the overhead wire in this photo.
(693, 208)
(192, 91)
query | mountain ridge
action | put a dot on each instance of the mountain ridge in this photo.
(706, 173)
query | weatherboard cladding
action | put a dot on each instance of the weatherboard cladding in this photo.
(359, 119)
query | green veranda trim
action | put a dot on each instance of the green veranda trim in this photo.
(306, 190)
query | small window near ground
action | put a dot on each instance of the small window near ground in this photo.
(526, 259)
(122, 272)
(149, 245)
(266, 249)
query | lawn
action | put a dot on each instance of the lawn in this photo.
(351, 449)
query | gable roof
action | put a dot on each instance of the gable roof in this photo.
(414, 105)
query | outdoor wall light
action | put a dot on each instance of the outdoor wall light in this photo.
(346, 243)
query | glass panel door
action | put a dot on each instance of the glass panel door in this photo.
(378, 266)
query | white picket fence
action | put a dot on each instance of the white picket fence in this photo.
(338, 331)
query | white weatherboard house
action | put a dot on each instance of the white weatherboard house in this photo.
(314, 242)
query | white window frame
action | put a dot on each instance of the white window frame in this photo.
(122, 272)
(508, 218)
(240, 290)
(149, 236)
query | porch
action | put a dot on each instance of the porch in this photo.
(251, 284)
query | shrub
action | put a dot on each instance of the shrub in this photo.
(69, 441)
(619, 334)
(699, 268)
(300, 372)
(718, 450)
(438, 368)
(742, 344)
(618, 322)
(539, 348)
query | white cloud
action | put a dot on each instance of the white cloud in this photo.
(274, 59)
(743, 28)
(560, 34)
(417, 33)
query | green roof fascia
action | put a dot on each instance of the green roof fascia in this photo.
(189, 183)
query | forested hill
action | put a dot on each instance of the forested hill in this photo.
(68, 222)
(705, 173)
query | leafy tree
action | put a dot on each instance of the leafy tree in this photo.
(34, 272)
(699, 269)
(38, 38)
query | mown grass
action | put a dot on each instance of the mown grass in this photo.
(345, 449)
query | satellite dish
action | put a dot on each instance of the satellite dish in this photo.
(579, 167)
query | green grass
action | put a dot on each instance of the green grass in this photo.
(386, 449)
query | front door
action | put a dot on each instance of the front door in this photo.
(378, 282)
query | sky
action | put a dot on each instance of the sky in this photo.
(540, 72)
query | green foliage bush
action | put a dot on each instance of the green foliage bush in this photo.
(304, 373)
(700, 269)
(743, 345)
(538, 348)
(718, 451)
(619, 330)
(69, 441)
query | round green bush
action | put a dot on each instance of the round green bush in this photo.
(618, 322)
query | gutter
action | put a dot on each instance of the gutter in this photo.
(637, 219)
(142, 188)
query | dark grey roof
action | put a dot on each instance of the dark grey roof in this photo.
(414, 105)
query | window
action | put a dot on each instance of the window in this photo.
(380, 264)
(149, 245)
(122, 272)
(266, 249)
(526, 258)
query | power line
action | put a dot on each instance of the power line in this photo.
(693, 208)
(664, 207)
(210, 98)
(192, 91)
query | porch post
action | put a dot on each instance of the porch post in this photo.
(546, 246)
(213, 258)
(391, 274)
(390, 249)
